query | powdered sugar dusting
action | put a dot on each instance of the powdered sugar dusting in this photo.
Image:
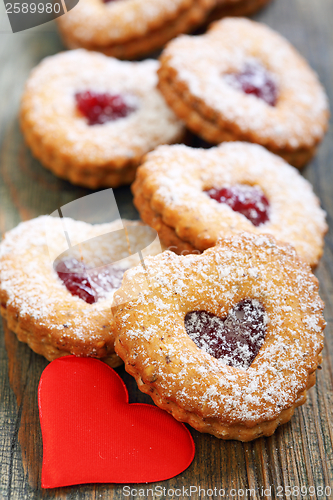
(156, 342)
(50, 94)
(174, 179)
(119, 21)
(30, 284)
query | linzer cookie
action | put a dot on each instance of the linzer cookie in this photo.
(64, 307)
(194, 196)
(131, 28)
(90, 118)
(227, 341)
(242, 81)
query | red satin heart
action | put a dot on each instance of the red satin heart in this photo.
(92, 435)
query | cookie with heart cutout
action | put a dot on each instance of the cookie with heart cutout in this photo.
(132, 28)
(194, 196)
(90, 118)
(58, 299)
(243, 81)
(91, 434)
(227, 341)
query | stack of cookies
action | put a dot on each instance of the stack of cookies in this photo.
(224, 329)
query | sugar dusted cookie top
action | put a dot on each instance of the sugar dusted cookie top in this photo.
(201, 73)
(64, 139)
(130, 28)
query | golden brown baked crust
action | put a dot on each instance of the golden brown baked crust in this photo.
(37, 305)
(230, 8)
(192, 80)
(169, 195)
(98, 155)
(228, 402)
(130, 29)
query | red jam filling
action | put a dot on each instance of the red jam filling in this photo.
(89, 285)
(256, 80)
(101, 108)
(247, 200)
(235, 339)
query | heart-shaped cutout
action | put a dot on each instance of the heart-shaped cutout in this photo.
(21, 20)
(235, 339)
(92, 435)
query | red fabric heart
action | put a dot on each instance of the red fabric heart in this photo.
(92, 435)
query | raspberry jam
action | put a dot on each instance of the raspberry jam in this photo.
(235, 339)
(89, 285)
(247, 200)
(101, 108)
(256, 80)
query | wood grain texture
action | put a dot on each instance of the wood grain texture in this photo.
(299, 454)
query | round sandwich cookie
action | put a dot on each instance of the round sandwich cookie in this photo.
(191, 197)
(89, 118)
(58, 299)
(127, 29)
(243, 81)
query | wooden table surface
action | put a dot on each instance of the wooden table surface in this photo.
(299, 455)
